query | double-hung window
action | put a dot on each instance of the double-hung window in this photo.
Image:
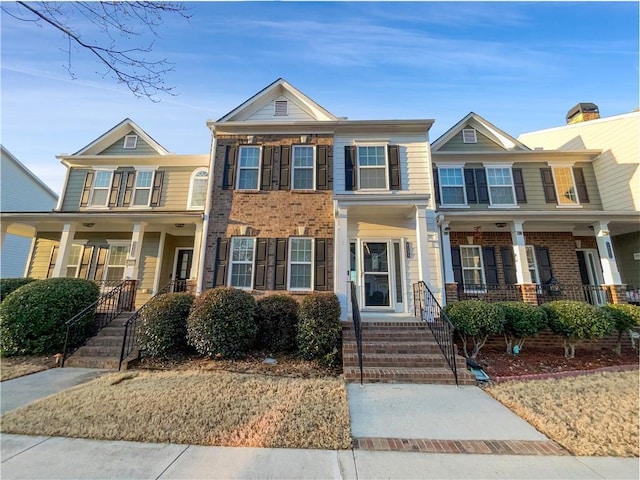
(303, 167)
(472, 268)
(300, 263)
(500, 183)
(142, 194)
(372, 167)
(565, 186)
(198, 189)
(242, 257)
(451, 186)
(248, 168)
(101, 185)
(117, 261)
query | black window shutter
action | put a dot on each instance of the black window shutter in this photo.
(85, 263)
(128, 187)
(456, 263)
(320, 264)
(52, 260)
(470, 185)
(281, 264)
(222, 262)
(544, 264)
(481, 185)
(508, 266)
(322, 168)
(267, 168)
(490, 265)
(394, 167)
(436, 184)
(518, 183)
(350, 168)
(101, 260)
(229, 175)
(548, 186)
(156, 191)
(581, 185)
(260, 280)
(115, 189)
(86, 189)
(285, 167)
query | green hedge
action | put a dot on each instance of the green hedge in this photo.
(475, 319)
(163, 325)
(9, 285)
(625, 317)
(32, 318)
(277, 316)
(319, 329)
(521, 320)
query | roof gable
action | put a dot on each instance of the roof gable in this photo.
(112, 142)
(262, 106)
(489, 137)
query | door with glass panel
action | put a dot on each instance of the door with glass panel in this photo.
(376, 274)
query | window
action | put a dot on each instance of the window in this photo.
(533, 265)
(303, 167)
(281, 108)
(300, 259)
(248, 168)
(372, 166)
(117, 262)
(241, 271)
(198, 189)
(144, 180)
(469, 135)
(101, 184)
(73, 264)
(472, 270)
(500, 186)
(130, 141)
(452, 186)
(565, 186)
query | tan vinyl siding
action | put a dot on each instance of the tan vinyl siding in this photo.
(266, 113)
(148, 260)
(117, 148)
(483, 144)
(625, 247)
(168, 257)
(39, 264)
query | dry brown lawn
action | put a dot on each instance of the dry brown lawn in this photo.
(14, 367)
(593, 414)
(195, 407)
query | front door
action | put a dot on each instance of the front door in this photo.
(376, 274)
(184, 258)
(590, 273)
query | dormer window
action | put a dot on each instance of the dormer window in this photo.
(281, 108)
(469, 135)
(130, 142)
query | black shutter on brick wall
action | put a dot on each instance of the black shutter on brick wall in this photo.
(456, 263)
(581, 185)
(548, 186)
(490, 265)
(470, 185)
(518, 184)
(267, 168)
(262, 250)
(321, 267)
(436, 184)
(285, 167)
(52, 260)
(350, 168)
(544, 264)
(222, 262)
(115, 189)
(481, 185)
(156, 191)
(394, 167)
(322, 168)
(129, 179)
(229, 175)
(281, 264)
(508, 266)
(86, 189)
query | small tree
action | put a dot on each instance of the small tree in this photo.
(577, 321)
(475, 319)
(625, 317)
(521, 320)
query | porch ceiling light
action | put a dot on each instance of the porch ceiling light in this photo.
(179, 225)
(501, 224)
(88, 225)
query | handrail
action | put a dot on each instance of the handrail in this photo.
(357, 327)
(436, 319)
(109, 305)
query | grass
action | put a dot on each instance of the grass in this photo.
(14, 367)
(195, 407)
(593, 414)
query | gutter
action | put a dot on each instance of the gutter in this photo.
(206, 214)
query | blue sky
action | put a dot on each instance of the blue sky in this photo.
(522, 66)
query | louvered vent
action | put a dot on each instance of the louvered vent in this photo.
(282, 108)
(469, 135)
(130, 141)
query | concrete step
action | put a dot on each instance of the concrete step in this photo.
(408, 375)
(435, 360)
(105, 341)
(111, 331)
(100, 351)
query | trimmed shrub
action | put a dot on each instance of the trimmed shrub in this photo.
(319, 329)
(475, 319)
(163, 324)
(276, 317)
(577, 321)
(32, 318)
(625, 317)
(521, 320)
(9, 285)
(221, 323)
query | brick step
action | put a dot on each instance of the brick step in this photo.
(392, 327)
(105, 341)
(395, 360)
(443, 376)
(418, 347)
(99, 351)
(381, 336)
(109, 363)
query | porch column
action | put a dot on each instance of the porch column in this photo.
(66, 241)
(446, 253)
(3, 232)
(133, 261)
(523, 275)
(197, 246)
(610, 273)
(342, 261)
(422, 241)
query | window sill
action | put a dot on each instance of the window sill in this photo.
(140, 207)
(251, 191)
(454, 206)
(510, 206)
(568, 206)
(96, 207)
(196, 208)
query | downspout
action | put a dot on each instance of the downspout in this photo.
(205, 215)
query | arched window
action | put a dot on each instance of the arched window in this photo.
(198, 189)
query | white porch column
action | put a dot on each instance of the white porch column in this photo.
(66, 240)
(446, 253)
(3, 232)
(197, 246)
(422, 241)
(523, 275)
(342, 261)
(133, 261)
(610, 273)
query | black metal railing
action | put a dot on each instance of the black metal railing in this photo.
(130, 338)
(357, 326)
(490, 293)
(431, 313)
(593, 294)
(86, 323)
